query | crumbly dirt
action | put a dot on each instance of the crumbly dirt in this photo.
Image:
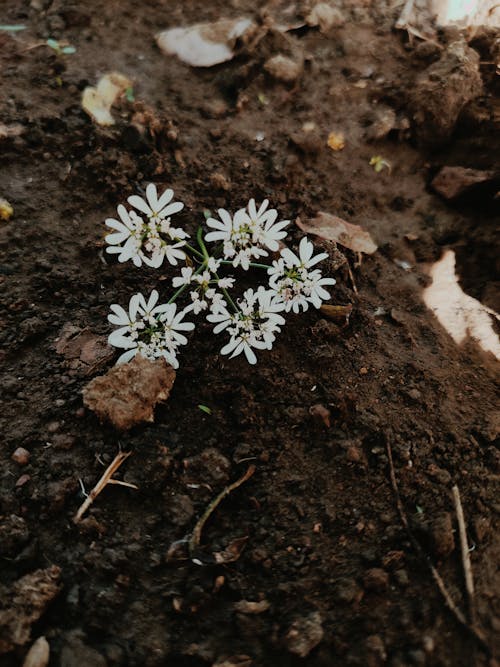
(327, 575)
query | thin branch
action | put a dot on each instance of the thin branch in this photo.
(464, 547)
(102, 483)
(194, 540)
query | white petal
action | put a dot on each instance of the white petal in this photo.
(171, 209)
(165, 198)
(152, 196)
(139, 203)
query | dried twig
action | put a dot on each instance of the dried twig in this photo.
(457, 613)
(194, 540)
(107, 478)
(469, 582)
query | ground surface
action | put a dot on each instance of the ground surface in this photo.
(326, 548)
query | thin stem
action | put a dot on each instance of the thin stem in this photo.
(254, 265)
(194, 251)
(199, 238)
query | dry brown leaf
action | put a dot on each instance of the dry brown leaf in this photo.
(451, 182)
(232, 552)
(331, 227)
(97, 102)
(128, 394)
(337, 313)
(204, 44)
(84, 350)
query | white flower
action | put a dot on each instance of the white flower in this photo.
(213, 264)
(148, 329)
(225, 283)
(149, 241)
(236, 232)
(253, 327)
(185, 278)
(266, 231)
(294, 283)
(156, 208)
(197, 304)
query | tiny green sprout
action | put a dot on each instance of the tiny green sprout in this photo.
(12, 28)
(207, 213)
(129, 94)
(263, 99)
(419, 509)
(59, 48)
(378, 163)
(205, 408)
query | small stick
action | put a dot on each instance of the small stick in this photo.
(474, 631)
(194, 540)
(103, 482)
(404, 17)
(466, 564)
(354, 288)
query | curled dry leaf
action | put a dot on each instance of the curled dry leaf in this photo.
(232, 552)
(331, 227)
(340, 314)
(204, 44)
(451, 182)
(97, 102)
(128, 394)
(38, 655)
(24, 603)
(85, 351)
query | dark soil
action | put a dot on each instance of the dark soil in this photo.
(325, 545)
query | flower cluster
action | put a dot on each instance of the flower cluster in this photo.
(147, 329)
(149, 238)
(252, 322)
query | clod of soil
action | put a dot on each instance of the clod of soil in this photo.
(128, 394)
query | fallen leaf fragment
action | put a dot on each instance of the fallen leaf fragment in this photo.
(460, 314)
(332, 228)
(38, 655)
(6, 209)
(24, 603)
(337, 313)
(204, 44)
(336, 141)
(97, 102)
(249, 607)
(128, 394)
(84, 350)
(451, 182)
(232, 552)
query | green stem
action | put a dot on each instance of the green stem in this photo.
(199, 238)
(194, 251)
(254, 265)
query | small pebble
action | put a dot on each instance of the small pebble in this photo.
(21, 456)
